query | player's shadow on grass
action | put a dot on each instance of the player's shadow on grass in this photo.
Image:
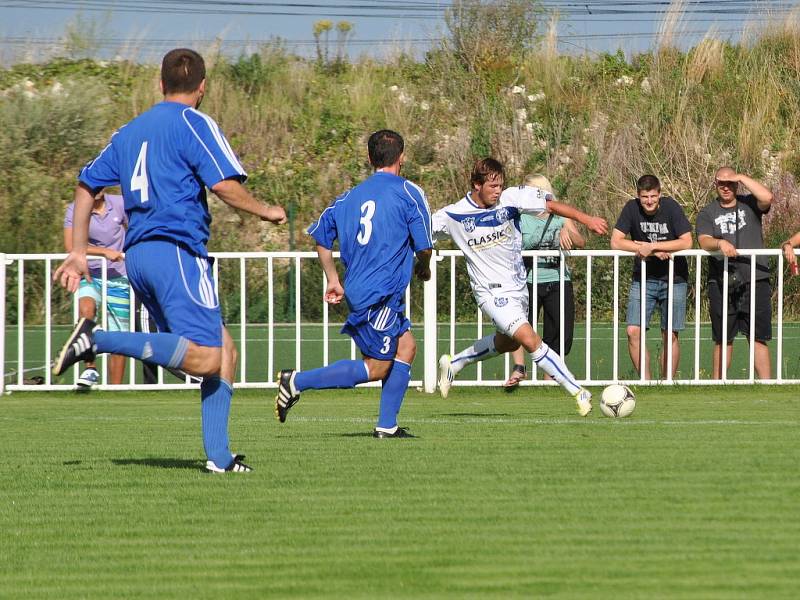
(159, 463)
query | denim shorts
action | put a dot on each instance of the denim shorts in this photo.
(656, 295)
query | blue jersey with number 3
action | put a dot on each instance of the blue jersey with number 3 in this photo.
(163, 160)
(380, 224)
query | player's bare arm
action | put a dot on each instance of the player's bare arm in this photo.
(422, 268)
(234, 194)
(75, 267)
(597, 225)
(334, 291)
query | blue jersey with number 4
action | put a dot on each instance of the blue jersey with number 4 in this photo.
(380, 224)
(163, 160)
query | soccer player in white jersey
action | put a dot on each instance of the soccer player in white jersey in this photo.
(485, 227)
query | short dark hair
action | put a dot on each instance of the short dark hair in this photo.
(385, 148)
(182, 71)
(645, 183)
(486, 168)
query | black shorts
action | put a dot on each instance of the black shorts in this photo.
(549, 304)
(739, 311)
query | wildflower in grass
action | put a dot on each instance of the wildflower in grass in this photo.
(624, 81)
(537, 97)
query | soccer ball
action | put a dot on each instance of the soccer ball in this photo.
(617, 401)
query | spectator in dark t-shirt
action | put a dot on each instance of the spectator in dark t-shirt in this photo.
(728, 223)
(657, 226)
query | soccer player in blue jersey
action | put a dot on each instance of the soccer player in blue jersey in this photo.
(381, 224)
(164, 160)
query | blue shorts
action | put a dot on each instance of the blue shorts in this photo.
(656, 295)
(377, 330)
(177, 287)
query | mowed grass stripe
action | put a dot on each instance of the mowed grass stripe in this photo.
(491, 499)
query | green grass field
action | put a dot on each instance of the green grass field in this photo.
(694, 496)
(311, 337)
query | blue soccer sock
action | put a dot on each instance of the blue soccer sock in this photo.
(392, 394)
(165, 349)
(216, 396)
(552, 364)
(480, 350)
(341, 374)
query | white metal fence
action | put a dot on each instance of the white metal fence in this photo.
(28, 348)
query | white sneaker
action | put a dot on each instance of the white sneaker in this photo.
(446, 375)
(88, 378)
(584, 400)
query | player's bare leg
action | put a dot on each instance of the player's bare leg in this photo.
(450, 366)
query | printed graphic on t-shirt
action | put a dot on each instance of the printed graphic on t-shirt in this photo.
(654, 232)
(727, 222)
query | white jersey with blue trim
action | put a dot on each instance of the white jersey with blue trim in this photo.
(490, 238)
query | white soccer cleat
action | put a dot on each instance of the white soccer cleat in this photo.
(584, 401)
(446, 375)
(88, 378)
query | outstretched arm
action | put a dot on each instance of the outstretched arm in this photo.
(596, 224)
(234, 194)
(334, 292)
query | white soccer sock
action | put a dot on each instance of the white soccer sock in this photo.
(552, 364)
(480, 350)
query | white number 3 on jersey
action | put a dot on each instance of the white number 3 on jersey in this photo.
(139, 177)
(365, 231)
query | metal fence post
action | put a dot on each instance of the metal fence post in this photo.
(430, 329)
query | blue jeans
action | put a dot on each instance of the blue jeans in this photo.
(656, 295)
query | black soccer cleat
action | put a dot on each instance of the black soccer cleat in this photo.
(78, 347)
(400, 432)
(287, 395)
(237, 466)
